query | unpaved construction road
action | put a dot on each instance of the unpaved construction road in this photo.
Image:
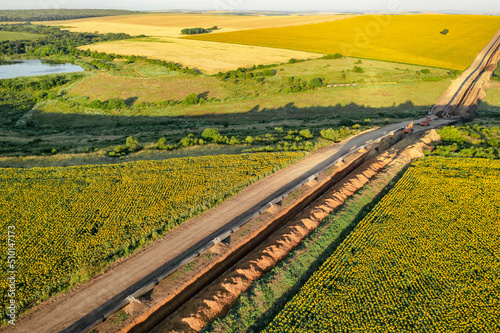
(465, 93)
(78, 308)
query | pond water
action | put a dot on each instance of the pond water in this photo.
(17, 68)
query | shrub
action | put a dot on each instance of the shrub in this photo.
(132, 144)
(425, 71)
(211, 134)
(115, 104)
(315, 83)
(451, 134)
(330, 134)
(191, 99)
(194, 31)
(332, 56)
(160, 145)
(306, 133)
(444, 32)
(96, 104)
(454, 73)
(268, 72)
(189, 141)
(358, 69)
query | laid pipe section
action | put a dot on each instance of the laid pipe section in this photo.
(224, 235)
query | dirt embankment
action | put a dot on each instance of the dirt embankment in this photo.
(469, 89)
(216, 299)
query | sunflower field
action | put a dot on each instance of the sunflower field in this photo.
(425, 259)
(68, 219)
(411, 39)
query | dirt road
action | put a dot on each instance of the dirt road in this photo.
(75, 310)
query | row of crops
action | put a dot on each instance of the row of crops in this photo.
(69, 218)
(424, 259)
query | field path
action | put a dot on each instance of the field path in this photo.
(76, 309)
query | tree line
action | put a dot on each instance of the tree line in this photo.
(54, 40)
(64, 43)
(57, 14)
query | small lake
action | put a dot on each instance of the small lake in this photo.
(17, 68)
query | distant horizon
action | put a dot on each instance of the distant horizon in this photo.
(357, 6)
(326, 12)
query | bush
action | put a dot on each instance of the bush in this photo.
(189, 141)
(444, 32)
(493, 142)
(194, 31)
(330, 134)
(306, 133)
(315, 83)
(96, 104)
(425, 71)
(332, 56)
(160, 145)
(268, 72)
(454, 73)
(358, 69)
(115, 104)
(191, 99)
(211, 134)
(132, 144)
(451, 134)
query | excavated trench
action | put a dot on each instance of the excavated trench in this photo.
(211, 292)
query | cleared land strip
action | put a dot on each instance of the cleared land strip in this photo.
(469, 88)
(82, 306)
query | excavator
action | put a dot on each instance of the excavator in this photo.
(426, 122)
(408, 129)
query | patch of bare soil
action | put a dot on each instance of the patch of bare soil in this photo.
(215, 300)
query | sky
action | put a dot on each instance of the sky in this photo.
(482, 6)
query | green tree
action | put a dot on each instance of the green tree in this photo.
(315, 83)
(333, 56)
(191, 99)
(358, 69)
(116, 104)
(211, 134)
(132, 144)
(96, 104)
(306, 133)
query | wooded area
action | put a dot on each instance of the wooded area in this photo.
(57, 14)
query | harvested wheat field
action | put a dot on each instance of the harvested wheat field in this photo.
(163, 30)
(168, 24)
(445, 41)
(209, 57)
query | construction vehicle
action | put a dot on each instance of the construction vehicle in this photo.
(408, 129)
(426, 122)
